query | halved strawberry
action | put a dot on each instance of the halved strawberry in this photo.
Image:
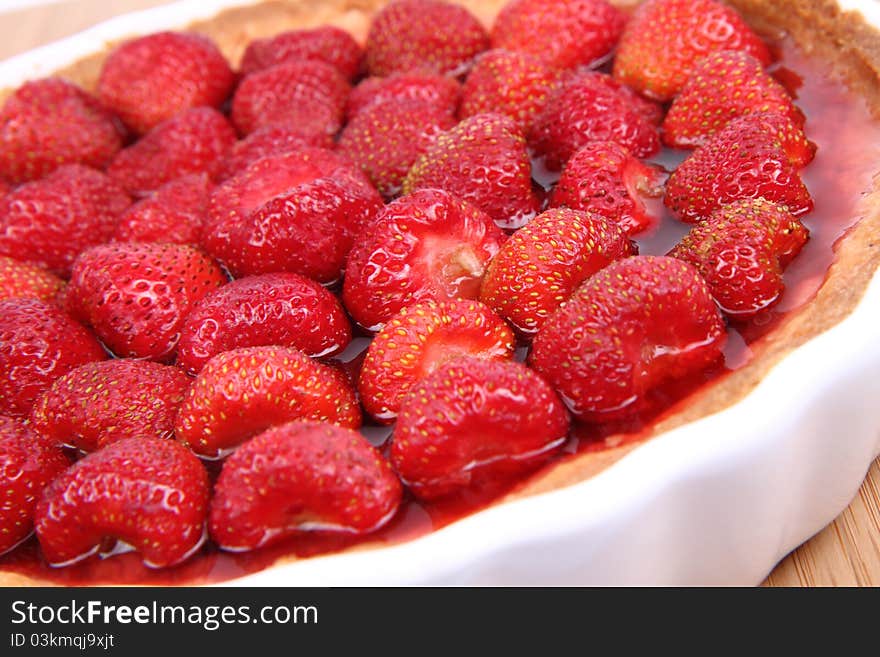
(48, 123)
(148, 80)
(173, 213)
(149, 493)
(273, 309)
(428, 245)
(97, 404)
(270, 140)
(298, 478)
(439, 91)
(666, 39)
(427, 36)
(327, 44)
(21, 280)
(482, 160)
(419, 339)
(543, 263)
(562, 34)
(136, 295)
(741, 250)
(243, 392)
(605, 179)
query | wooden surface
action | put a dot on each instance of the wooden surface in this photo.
(846, 553)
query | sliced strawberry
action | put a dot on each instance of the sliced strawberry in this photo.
(38, 343)
(590, 107)
(482, 160)
(173, 213)
(473, 419)
(428, 245)
(136, 295)
(327, 44)
(148, 493)
(49, 221)
(666, 39)
(603, 178)
(778, 128)
(298, 478)
(48, 123)
(150, 79)
(193, 142)
(542, 264)
(308, 96)
(273, 309)
(562, 34)
(21, 280)
(271, 140)
(439, 91)
(101, 403)
(426, 36)
(741, 250)
(633, 325)
(243, 392)
(419, 339)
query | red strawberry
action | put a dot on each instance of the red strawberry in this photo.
(48, 222)
(725, 85)
(562, 34)
(741, 250)
(384, 140)
(243, 392)
(271, 140)
(301, 477)
(173, 213)
(4, 189)
(512, 83)
(51, 122)
(308, 96)
(482, 160)
(28, 462)
(273, 309)
(542, 264)
(149, 493)
(38, 343)
(473, 419)
(21, 280)
(633, 325)
(296, 212)
(419, 339)
(427, 36)
(327, 44)
(428, 245)
(101, 403)
(605, 179)
(136, 295)
(192, 142)
(592, 107)
(439, 91)
(666, 39)
(776, 127)
(150, 79)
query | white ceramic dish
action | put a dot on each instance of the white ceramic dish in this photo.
(718, 501)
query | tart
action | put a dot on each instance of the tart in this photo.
(837, 54)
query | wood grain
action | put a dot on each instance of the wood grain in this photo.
(846, 553)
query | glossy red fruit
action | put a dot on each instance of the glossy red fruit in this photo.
(38, 343)
(149, 493)
(28, 462)
(301, 477)
(428, 245)
(482, 160)
(273, 309)
(101, 403)
(605, 179)
(438, 91)
(562, 34)
(20, 280)
(49, 221)
(419, 339)
(741, 251)
(426, 36)
(271, 140)
(173, 213)
(136, 295)
(150, 79)
(637, 323)
(542, 264)
(774, 127)
(308, 96)
(327, 44)
(666, 39)
(48, 123)
(473, 419)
